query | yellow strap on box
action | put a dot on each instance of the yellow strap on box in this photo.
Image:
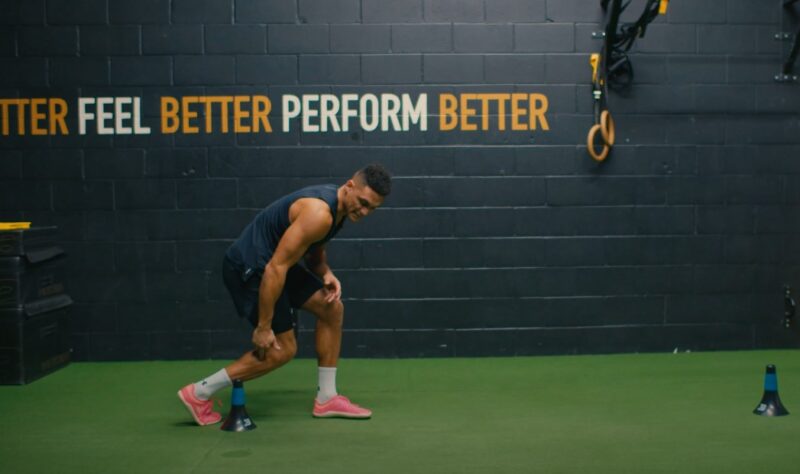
(594, 60)
(662, 7)
(14, 225)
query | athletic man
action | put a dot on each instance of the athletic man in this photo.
(262, 272)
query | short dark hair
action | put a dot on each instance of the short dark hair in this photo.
(376, 177)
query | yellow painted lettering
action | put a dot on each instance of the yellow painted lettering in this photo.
(448, 119)
(169, 115)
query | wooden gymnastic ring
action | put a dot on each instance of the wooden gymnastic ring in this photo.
(590, 144)
(607, 127)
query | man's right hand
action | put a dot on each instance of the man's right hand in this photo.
(263, 339)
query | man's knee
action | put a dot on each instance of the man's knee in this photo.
(334, 312)
(287, 351)
(291, 349)
(330, 313)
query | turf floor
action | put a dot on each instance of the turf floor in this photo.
(642, 413)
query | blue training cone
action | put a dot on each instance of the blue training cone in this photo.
(238, 419)
(770, 402)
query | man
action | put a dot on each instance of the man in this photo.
(262, 273)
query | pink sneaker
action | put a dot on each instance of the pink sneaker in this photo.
(201, 410)
(339, 407)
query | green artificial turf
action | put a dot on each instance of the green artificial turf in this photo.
(642, 413)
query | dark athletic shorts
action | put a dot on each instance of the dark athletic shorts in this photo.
(300, 285)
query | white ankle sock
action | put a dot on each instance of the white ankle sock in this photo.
(327, 384)
(205, 388)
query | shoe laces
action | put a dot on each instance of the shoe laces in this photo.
(208, 407)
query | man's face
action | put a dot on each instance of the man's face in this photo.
(362, 200)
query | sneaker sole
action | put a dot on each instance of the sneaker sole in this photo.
(340, 414)
(191, 412)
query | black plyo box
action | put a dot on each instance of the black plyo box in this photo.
(36, 275)
(27, 241)
(34, 308)
(33, 347)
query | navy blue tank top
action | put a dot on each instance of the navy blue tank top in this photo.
(254, 248)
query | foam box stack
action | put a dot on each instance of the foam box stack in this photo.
(34, 305)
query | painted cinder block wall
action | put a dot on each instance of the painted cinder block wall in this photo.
(493, 243)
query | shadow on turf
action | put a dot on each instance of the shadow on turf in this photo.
(184, 424)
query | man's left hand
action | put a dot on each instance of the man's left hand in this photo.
(333, 288)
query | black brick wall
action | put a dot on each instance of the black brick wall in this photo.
(493, 243)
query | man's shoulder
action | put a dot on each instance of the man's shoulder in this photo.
(313, 209)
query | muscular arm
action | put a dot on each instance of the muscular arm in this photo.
(317, 261)
(311, 220)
